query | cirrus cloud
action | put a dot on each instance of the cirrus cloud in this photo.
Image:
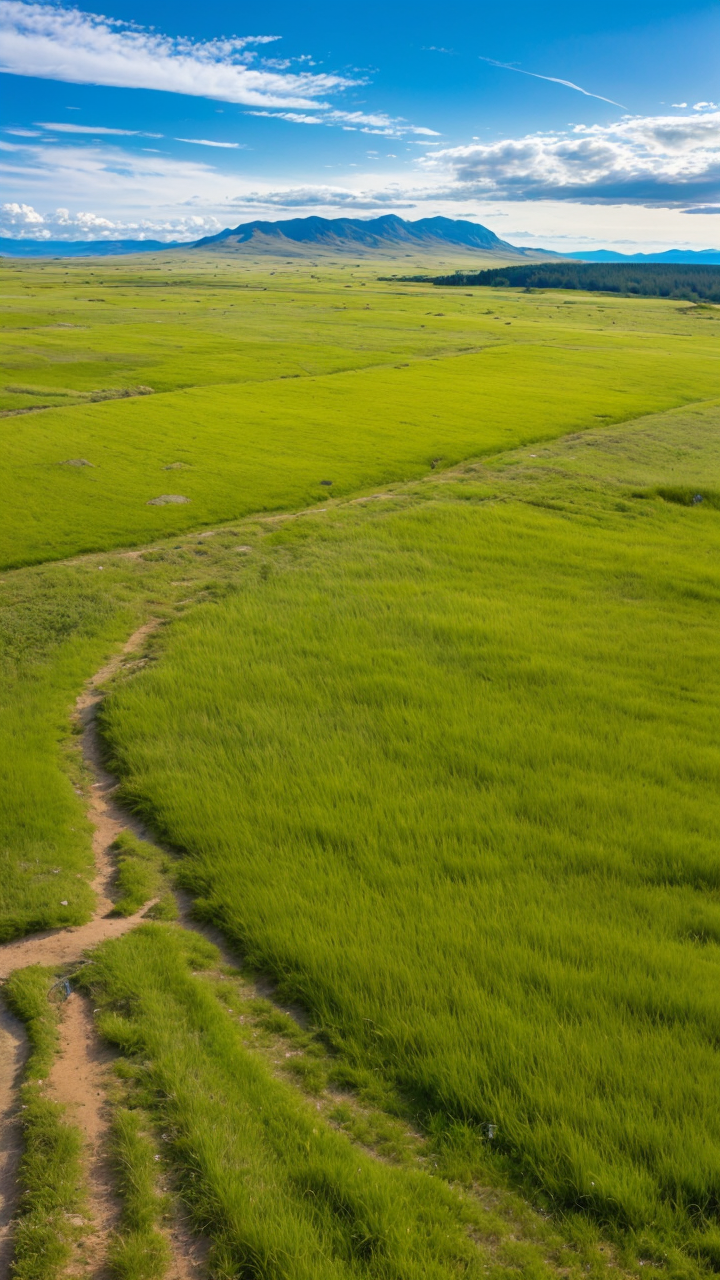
(377, 122)
(85, 48)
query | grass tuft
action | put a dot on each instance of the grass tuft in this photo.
(139, 1251)
(142, 874)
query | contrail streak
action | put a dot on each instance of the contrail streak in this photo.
(554, 79)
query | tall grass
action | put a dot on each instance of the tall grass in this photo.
(449, 773)
(138, 1251)
(55, 628)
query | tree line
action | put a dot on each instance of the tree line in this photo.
(649, 280)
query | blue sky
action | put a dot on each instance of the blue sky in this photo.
(572, 126)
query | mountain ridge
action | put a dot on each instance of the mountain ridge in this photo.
(388, 236)
(386, 233)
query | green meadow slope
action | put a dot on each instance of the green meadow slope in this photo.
(441, 760)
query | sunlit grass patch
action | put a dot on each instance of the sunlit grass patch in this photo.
(263, 392)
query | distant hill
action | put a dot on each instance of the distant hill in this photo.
(79, 248)
(388, 235)
(701, 257)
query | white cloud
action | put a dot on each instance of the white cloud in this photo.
(91, 128)
(324, 197)
(23, 222)
(205, 142)
(85, 48)
(376, 123)
(665, 160)
(124, 185)
(705, 106)
(22, 215)
(682, 105)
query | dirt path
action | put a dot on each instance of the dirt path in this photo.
(81, 1070)
(78, 1080)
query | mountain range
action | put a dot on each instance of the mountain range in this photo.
(81, 248)
(701, 257)
(385, 237)
(388, 235)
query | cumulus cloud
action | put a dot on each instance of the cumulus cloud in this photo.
(23, 222)
(664, 160)
(85, 48)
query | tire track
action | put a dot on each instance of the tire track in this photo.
(81, 1070)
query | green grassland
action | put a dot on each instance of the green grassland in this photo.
(441, 761)
(263, 390)
(446, 767)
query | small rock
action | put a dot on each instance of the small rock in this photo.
(165, 498)
(77, 462)
(63, 902)
(696, 499)
(326, 482)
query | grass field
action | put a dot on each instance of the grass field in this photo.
(245, 417)
(441, 761)
(446, 769)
